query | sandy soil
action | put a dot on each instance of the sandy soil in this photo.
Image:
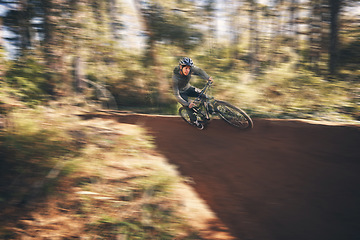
(284, 179)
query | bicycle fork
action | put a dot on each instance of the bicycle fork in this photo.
(204, 115)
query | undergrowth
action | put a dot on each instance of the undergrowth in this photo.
(284, 93)
(93, 179)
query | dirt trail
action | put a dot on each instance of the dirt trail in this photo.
(280, 180)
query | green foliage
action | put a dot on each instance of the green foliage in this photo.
(132, 85)
(28, 151)
(221, 62)
(297, 94)
(27, 77)
(2, 60)
(171, 28)
(350, 56)
(132, 229)
(284, 63)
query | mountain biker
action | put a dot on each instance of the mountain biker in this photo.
(182, 88)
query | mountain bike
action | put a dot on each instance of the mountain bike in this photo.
(206, 107)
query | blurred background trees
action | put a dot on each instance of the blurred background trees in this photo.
(272, 53)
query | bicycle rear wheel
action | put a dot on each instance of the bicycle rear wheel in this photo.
(233, 115)
(183, 112)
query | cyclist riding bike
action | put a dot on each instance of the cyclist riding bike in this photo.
(182, 88)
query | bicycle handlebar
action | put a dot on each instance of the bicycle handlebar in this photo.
(203, 91)
(207, 85)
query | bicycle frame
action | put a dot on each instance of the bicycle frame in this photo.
(205, 106)
(203, 101)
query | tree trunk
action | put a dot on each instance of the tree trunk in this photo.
(79, 75)
(114, 19)
(48, 42)
(153, 59)
(335, 6)
(2, 68)
(254, 38)
(293, 23)
(315, 35)
(24, 24)
(276, 32)
(235, 26)
(54, 47)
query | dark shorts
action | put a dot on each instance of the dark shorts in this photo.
(191, 92)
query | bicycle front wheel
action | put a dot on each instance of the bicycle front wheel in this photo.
(233, 115)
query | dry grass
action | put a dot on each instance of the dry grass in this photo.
(109, 183)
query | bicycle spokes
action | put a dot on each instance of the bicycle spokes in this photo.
(233, 115)
(230, 115)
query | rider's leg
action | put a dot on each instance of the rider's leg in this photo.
(191, 114)
(191, 92)
(195, 92)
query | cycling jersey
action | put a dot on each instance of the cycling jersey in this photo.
(181, 82)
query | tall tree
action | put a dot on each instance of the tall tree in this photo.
(1, 50)
(315, 30)
(209, 8)
(254, 45)
(50, 41)
(56, 30)
(293, 22)
(18, 21)
(335, 6)
(276, 30)
(25, 29)
(235, 25)
(162, 25)
(115, 23)
(148, 15)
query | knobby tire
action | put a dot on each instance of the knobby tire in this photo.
(183, 111)
(184, 115)
(233, 115)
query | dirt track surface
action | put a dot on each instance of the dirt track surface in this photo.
(281, 180)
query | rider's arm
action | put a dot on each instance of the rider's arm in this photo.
(192, 104)
(201, 73)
